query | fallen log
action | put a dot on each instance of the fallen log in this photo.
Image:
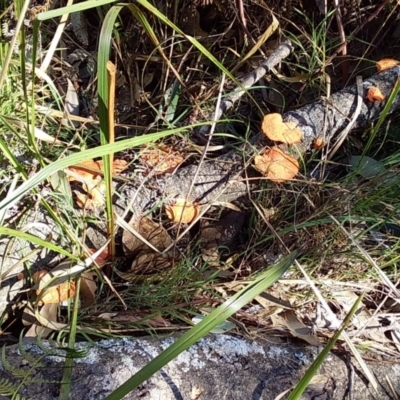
(223, 178)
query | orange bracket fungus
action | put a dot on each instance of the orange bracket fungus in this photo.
(275, 129)
(318, 143)
(374, 94)
(182, 211)
(386, 63)
(276, 165)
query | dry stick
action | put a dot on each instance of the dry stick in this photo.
(250, 80)
(111, 71)
(338, 15)
(56, 38)
(370, 18)
(239, 4)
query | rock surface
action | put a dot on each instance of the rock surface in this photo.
(217, 367)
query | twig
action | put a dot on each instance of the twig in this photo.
(239, 4)
(56, 38)
(338, 15)
(370, 18)
(249, 80)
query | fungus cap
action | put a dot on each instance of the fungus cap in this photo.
(275, 129)
(276, 165)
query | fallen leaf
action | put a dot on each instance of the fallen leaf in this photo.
(161, 160)
(375, 94)
(181, 211)
(150, 231)
(53, 295)
(275, 129)
(147, 242)
(276, 165)
(102, 258)
(87, 292)
(94, 198)
(90, 174)
(48, 312)
(289, 320)
(386, 63)
(91, 169)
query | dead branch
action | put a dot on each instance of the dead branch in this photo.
(283, 50)
(223, 178)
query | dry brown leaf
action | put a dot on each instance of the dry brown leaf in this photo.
(375, 94)
(150, 230)
(181, 211)
(94, 197)
(92, 181)
(289, 320)
(87, 292)
(48, 312)
(161, 160)
(155, 321)
(276, 165)
(102, 258)
(386, 63)
(275, 129)
(91, 169)
(147, 261)
(54, 295)
(88, 169)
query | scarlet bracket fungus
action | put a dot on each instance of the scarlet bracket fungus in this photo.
(318, 143)
(276, 165)
(275, 129)
(182, 211)
(374, 94)
(386, 63)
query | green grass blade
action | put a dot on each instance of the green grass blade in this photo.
(69, 361)
(304, 382)
(219, 315)
(36, 240)
(85, 5)
(190, 39)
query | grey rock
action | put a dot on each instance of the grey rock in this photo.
(218, 367)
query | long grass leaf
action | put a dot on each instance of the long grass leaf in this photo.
(36, 240)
